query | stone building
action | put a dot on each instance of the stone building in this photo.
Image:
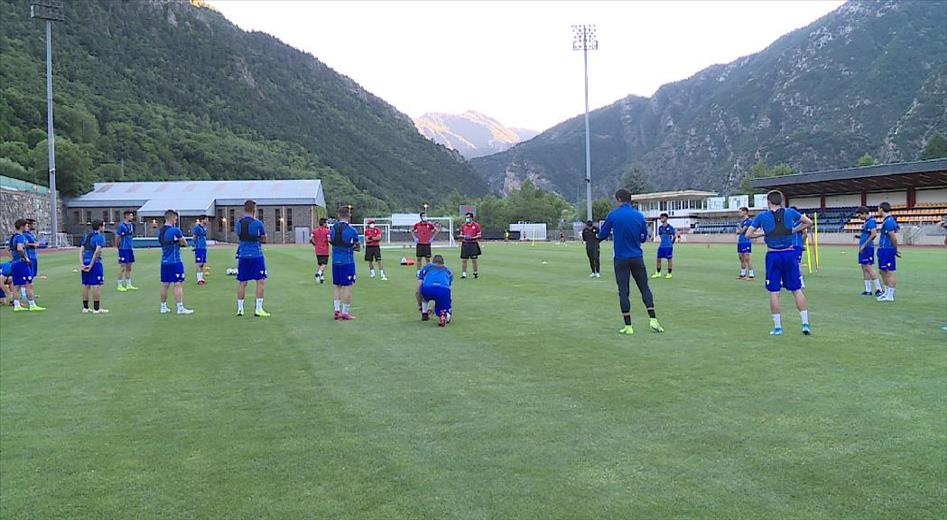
(288, 208)
(21, 199)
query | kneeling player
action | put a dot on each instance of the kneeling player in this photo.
(93, 274)
(434, 283)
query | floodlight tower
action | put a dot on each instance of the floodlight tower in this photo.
(584, 39)
(50, 11)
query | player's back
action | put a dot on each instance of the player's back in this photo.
(628, 227)
(250, 231)
(436, 275)
(320, 238)
(89, 243)
(170, 247)
(343, 238)
(890, 224)
(777, 227)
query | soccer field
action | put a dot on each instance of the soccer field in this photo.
(529, 405)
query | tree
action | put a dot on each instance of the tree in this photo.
(635, 180)
(761, 170)
(600, 208)
(936, 147)
(73, 166)
(866, 160)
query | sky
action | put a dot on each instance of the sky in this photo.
(514, 60)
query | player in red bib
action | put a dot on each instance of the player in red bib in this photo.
(320, 240)
(423, 233)
(470, 235)
(373, 249)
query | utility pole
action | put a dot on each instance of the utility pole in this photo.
(584, 39)
(50, 11)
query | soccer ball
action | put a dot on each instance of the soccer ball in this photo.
(231, 271)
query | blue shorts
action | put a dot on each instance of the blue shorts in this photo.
(94, 276)
(887, 261)
(666, 252)
(782, 271)
(343, 274)
(744, 248)
(867, 256)
(200, 256)
(126, 256)
(34, 266)
(172, 273)
(800, 252)
(440, 295)
(253, 268)
(22, 273)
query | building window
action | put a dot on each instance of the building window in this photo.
(88, 216)
(232, 223)
(75, 216)
(220, 221)
(279, 220)
(117, 216)
(289, 218)
(259, 214)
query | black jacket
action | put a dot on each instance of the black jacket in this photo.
(590, 236)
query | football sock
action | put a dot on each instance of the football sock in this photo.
(889, 295)
(669, 270)
(95, 304)
(627, 318)
(239, 305)
(372, 272)
(85, 304)
(777, 321)
(200, 276)
(33, 302)
(345, 308)
(742, 272)
(337, 304)
(867, 285)
(424, 307)
(805, 317)
(751, 273)
(22, 292)
(659, 269)
(121, 282)
(651, 313)
(464, 274)
(383, 273)
(877, 284)
(16, 304)
(259, 304)
(181, 306)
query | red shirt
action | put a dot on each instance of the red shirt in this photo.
(470, 232)
(372, 237)
(424, 230)
(320, 239)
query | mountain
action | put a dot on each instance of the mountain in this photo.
(471, 134)
(170, 89)
(926, 116)
(817, 98)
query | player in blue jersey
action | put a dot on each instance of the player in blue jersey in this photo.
(888, 251)
(125, 242)
(668, 236)
(31, 245)
(172, 239)
(344, 240)
(799, 246)
(21, 270)
(199, 234)
(6, 283)
(630, 229)
(745, 246)
(779, 224)
(434, 284)
(866, 251)
(90, 267)
(250, 262)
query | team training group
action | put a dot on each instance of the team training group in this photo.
(783, 230)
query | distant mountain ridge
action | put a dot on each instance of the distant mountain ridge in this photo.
(866, 78)
(471, 133)
(170, 89)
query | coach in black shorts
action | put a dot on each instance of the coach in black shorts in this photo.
(423, 233)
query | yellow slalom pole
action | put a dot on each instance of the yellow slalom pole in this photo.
(815, 239)
(808, 253)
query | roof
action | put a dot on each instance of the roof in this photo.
(673, 195)
(9, 183)
(882, 177)
(194, 198)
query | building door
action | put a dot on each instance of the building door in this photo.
(301, 235)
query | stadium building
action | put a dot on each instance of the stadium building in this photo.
(916, 190)
(288, 208)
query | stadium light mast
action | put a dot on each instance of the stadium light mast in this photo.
(584, 39)
(50, 11)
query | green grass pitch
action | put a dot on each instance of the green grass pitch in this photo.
(528, 406)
